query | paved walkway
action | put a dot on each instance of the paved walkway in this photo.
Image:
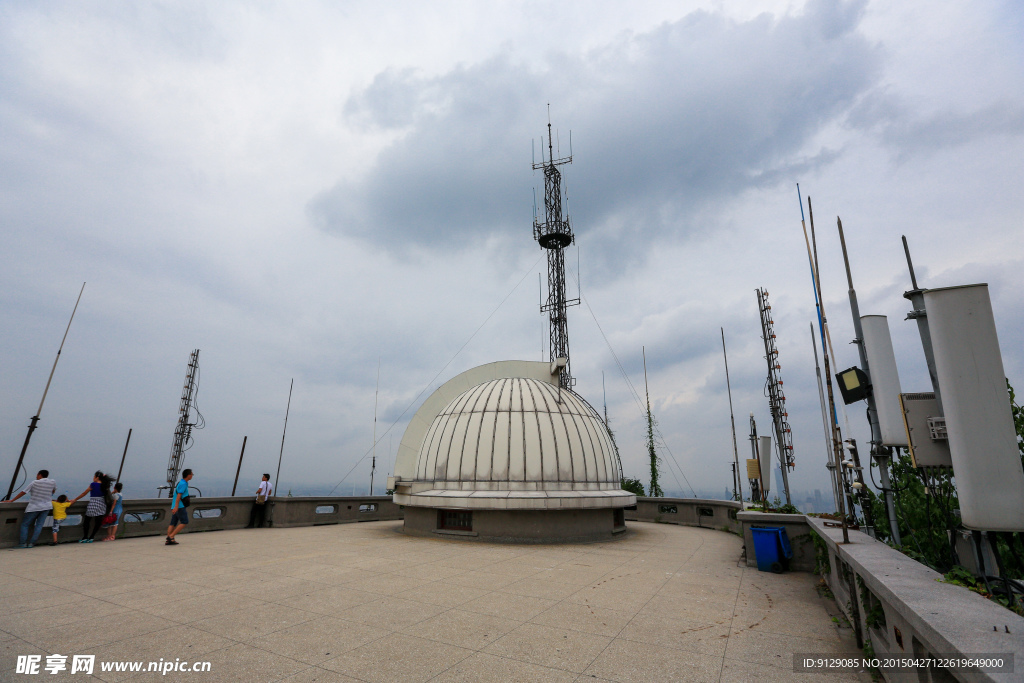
(362, 602)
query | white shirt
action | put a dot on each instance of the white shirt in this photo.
(40, 492)
(265, 488)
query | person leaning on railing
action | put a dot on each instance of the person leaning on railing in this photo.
(40, 494)
(259, 506)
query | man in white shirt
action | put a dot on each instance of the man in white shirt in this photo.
(259, 506)
(40, 505)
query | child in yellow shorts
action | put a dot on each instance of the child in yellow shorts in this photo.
(60, 513)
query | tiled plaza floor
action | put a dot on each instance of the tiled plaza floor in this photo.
(363, 602)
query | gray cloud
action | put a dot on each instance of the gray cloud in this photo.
(908, 133)
(169, 157)
(666, 122)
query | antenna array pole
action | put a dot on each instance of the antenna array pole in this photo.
(34, 421)
(655, 488)
(554, 235)
(737, 486)
(776, 398)
(880, 453)
(916, 298)
(759, 494)
(183, 431)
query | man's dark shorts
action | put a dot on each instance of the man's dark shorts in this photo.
(180, 516)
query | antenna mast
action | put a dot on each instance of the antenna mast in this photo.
(373, 466)
(280, 455)
(732, 420)
(776, 398)
(555, 234)
(655, 488)
(183, 432)
(34, 422)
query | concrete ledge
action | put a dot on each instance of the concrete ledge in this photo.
(912, 613)
(688, 512)
(149, 516)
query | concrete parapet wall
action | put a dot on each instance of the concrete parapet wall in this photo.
(521, 526)
(149, 516)
(905, 610)
(797, 529)
(700, 512)
(303, 511)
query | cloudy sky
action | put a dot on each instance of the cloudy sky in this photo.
(305, 189)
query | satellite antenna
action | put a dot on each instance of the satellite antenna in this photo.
(555, 234)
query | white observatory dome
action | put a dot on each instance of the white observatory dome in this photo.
(517, 443)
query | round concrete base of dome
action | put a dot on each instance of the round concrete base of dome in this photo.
(518, 526)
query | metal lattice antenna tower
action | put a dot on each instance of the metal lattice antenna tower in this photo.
(776, 397)
(183, 432)
(555, 234)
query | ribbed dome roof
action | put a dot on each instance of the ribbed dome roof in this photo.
(518, 434)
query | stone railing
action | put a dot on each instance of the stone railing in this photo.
(149, 516)
(903, 609)
(711, 514)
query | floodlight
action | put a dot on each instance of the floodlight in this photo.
(854, 385)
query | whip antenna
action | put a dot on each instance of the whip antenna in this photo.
(34, 422)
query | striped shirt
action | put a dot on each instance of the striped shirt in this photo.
(40, 495)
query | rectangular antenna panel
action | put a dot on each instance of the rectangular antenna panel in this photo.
(753, 469)
(885, 379)
(981, 436)
(918, 411)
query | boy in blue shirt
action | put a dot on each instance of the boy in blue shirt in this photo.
(179, 508)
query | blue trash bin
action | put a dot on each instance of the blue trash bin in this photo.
(787, 550)
(771, 547)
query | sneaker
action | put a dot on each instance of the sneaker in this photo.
(30, 545)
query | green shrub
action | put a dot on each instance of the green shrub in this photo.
(632, 485)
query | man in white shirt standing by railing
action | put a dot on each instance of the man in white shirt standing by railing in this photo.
(40, 505)
(259, 506)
